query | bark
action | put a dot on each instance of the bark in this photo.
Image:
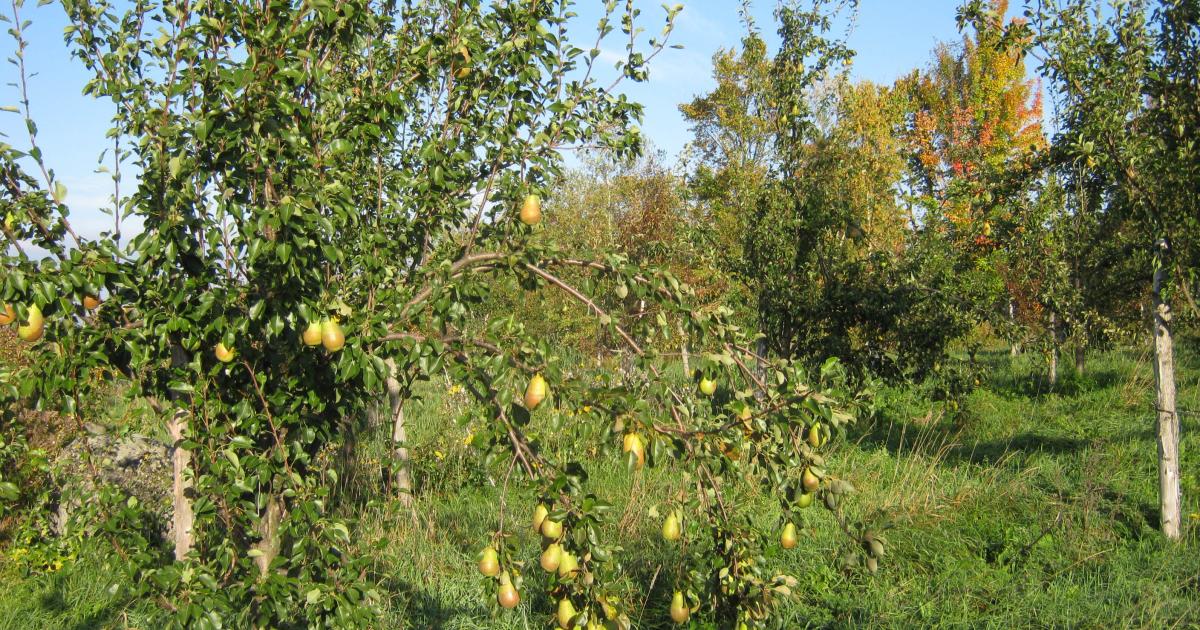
(1168, 420)
(683, 349)
(182, 518)
(760, 366)
(402, 472)
(1080, 336)
(1053, 349)
(1015, 348)
(268, 531)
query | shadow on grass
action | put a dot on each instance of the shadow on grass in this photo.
(419, 607)
(1022, 446)
(1035, 386)
(53, 604)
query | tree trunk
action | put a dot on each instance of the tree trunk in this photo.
(1015, 348)
(181, 519)
(1053, 349)
(400, 461)
(760, 348)
(268, 531)
(1168, 420)
(1080, 335)
(683, 349)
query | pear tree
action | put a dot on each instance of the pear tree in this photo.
(327, 190)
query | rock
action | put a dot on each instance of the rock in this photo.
(138, 465)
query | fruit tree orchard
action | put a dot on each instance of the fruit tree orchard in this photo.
(328, 189)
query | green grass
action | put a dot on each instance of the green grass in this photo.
(1024, 507)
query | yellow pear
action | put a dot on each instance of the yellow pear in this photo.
(312, 334)
(531, 210)
(568, 565)
(633, 444)
(551, 529)
(90, 302)
(566, 613)
(489, 563)
(708, 386)
(551, 558)
(814, 435)
(671, 529)
(539, 515)
(34, 325)
(332, 336)
(224, 355)
(8, 314)
(810, 480)
(535, 392)
(507, 595)
(679, 611)
(805, 499)
(787, 539)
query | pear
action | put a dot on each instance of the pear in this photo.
(539, 515)
(507, 595)
(805, 499)
(531, 210)
(551, 558)
(708, 386)
(332, 336)
(787, 539)
(566, 613)
(810, 481)
(568, 565)
(34, 326)
(551, 529)
(671, 529)
(312, 334)
(489, 563)
(90, 302)
(535, 392)
(224, 354)
(679, 612)
(633, 444)
(8, 314)
(814, 435)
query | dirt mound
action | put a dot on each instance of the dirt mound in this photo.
(140, 466)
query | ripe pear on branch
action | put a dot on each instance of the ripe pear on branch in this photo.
(34, 326)
(535, 392)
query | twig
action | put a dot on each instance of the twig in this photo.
(587, 301)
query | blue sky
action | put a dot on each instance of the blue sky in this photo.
(891, 38)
